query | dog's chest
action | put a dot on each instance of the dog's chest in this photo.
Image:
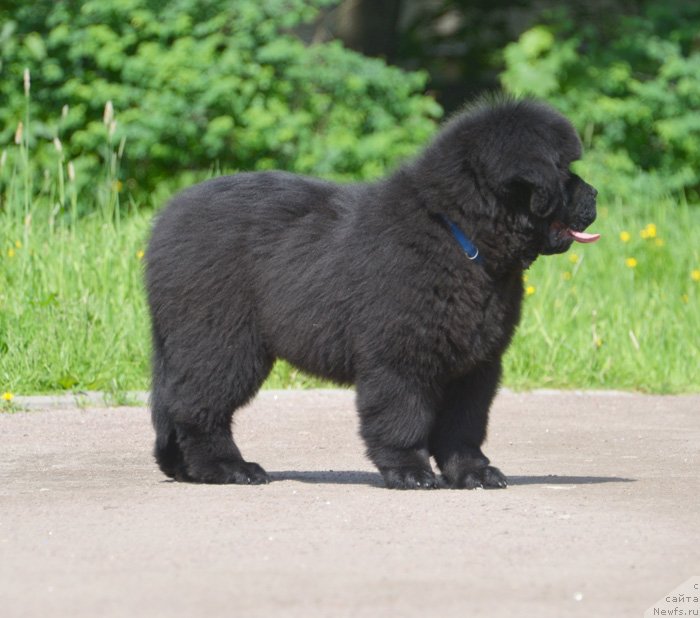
(483, 319)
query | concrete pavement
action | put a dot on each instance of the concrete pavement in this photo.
(601, 518)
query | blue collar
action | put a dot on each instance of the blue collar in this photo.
(467, 245)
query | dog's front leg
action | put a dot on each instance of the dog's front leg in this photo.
(460, 430)
(396, 417)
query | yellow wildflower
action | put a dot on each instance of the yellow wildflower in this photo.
(530, 290)
(598, 342)
(695, 274)
(566, 276)
(18, 244)
(625, 236)
(573, 258)
(631, 262)
(10, 252)
(139, 254)
(649, 231)
(7, 396)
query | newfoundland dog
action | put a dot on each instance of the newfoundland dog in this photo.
(410, 288)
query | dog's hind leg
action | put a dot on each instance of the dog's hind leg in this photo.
(396, 415)
(460, 430)
(206, 378)
(167, 452)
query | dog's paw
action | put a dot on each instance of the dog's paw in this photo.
(493, 478)
(488, 477)
(229, 472)
(410, 478)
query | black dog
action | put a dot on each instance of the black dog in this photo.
(410, 288)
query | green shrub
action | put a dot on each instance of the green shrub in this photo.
(201, 84)
(629, 83)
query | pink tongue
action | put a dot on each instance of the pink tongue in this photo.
(582, 236)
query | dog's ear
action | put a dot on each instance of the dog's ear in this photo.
(546, 191)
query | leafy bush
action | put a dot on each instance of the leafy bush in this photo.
(629, 83)
(197, 84)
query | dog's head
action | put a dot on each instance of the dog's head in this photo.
(537, 183)
(517, 156)
(557, 204)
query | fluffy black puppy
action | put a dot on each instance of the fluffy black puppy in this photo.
(376, 285)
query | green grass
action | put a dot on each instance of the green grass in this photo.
(594, 321)
(73, 316)
(72, 308)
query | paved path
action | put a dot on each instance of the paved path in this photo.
(601, 519)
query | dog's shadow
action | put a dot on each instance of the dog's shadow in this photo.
(374, 479)
(553, 479)
(330, 477)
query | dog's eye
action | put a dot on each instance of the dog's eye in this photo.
(572, 180)
(518, 193)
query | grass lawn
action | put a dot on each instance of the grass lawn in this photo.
(620, 314)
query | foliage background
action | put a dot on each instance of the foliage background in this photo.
(203, 84)
(202, 87)
(629, 83)
(208, 86)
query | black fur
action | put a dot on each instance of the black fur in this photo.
(362, 284)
